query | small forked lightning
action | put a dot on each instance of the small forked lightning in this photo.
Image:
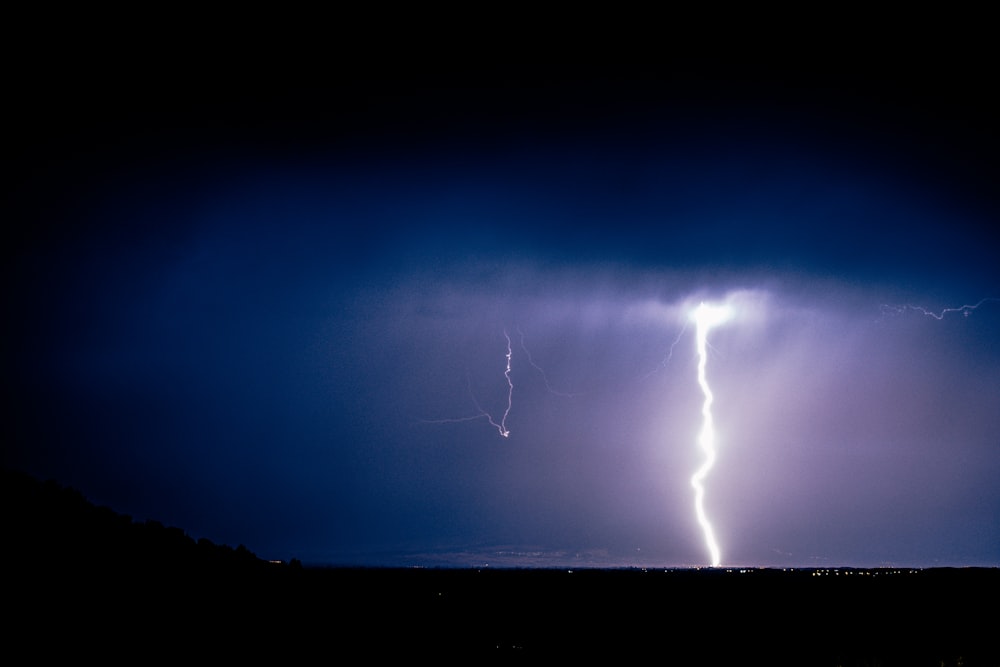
(545, 377)
(705, 317)
(500, 426)
(670, 352)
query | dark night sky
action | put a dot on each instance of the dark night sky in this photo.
(250, 282)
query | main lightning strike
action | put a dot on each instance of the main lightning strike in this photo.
(705, 317)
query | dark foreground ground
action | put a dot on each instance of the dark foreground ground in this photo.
(930, 617)
(81, 582)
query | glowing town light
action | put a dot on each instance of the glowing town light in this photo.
(705, 317)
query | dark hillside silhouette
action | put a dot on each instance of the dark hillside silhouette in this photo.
(84, 581)
(50, 526)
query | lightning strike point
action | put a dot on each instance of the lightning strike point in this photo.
(706, 317)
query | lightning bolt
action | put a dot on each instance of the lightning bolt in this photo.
(965, 310)
(500, 426)
(705, 317)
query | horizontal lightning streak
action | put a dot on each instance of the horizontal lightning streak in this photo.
(965, 310)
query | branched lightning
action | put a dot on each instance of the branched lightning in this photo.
(538, 368)
(500, 426)
(706, 317)
(965, 310)
(670, 352)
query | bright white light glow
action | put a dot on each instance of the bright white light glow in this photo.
(705, 317)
